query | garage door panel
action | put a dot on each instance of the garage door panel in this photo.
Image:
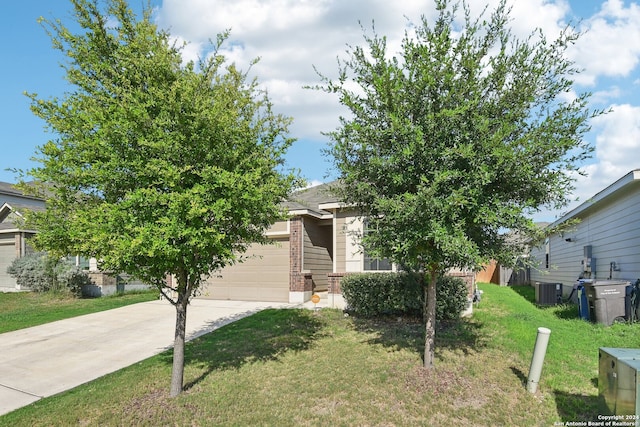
(263, 277)
(7, 255)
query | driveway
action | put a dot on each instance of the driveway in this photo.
(44, 360)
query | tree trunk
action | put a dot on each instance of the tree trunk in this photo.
(430, 317)
(177, 372)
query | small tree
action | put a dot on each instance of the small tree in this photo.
(456, 139)
(157, 168)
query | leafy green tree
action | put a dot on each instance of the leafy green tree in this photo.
(457, 138)
(157, 168)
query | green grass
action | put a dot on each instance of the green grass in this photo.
(300, 368)
(20, 310)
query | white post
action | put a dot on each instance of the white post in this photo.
(538, 358)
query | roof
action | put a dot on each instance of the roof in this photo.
(308, 200)
(629, 180)
(10, 189)
(6, 209)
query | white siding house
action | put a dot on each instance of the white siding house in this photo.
(605, 244)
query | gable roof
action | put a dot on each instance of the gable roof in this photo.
(629, 181)
(308, 201)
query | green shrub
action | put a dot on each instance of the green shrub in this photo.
(379, 294)
(42, 273)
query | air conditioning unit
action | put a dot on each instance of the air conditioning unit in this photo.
(548, 293)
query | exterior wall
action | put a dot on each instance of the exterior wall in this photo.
(105, 284)
(348, 254)
(611, 228)
(317, 254)
(280, 227)
(340, 219)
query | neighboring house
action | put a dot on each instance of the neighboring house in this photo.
(605, 244)
(13, 241)
(14, 244)
(311, 252)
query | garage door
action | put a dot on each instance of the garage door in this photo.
(263, 277)
(7, 255)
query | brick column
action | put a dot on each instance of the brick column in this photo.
(334, 282)
(334, 297)
(300, 282)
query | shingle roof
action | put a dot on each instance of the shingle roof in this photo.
(311, 198)
(8, 188)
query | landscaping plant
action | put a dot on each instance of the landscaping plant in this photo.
(455, 137)
(158, 167)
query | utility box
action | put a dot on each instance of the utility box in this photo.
(619, 382)
(548, 293)
(606, 299)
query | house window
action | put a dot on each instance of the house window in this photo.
(374, 264)
(546, 253)
(371, 263)
(82, 262)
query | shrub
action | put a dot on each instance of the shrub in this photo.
(379, 294)
(42, 273)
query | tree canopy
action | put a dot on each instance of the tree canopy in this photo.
(155, 167)
(457, 138)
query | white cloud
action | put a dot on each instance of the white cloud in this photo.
(610, 45)
(293, 36)
(617, 143)
(290, 37)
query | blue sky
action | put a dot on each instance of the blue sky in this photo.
(293, 36)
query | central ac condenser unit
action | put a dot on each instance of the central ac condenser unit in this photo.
(548, 293)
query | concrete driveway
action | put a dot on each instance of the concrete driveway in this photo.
(44, 360)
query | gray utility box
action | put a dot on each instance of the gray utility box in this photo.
(548, 293)
(619, 383)
(606, 299)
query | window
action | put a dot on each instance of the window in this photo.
(546, 254)
(371, 263)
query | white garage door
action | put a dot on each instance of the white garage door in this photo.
(7, 255)
(263, 277)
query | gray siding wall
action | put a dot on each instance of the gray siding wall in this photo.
(612, 228)
(317, 254)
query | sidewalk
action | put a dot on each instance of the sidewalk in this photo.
(45, 360)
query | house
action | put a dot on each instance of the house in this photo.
(14, 244)
(604, 244)
(13, 241)
(310, 252)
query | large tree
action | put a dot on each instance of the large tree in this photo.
(156, 167)
(457, 139)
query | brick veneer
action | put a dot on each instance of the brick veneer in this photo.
(469, 280)
(299, 281)
(334, 282)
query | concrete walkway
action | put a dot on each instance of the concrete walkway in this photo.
(45, 360)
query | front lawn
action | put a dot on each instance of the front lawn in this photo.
(25, 309)
(297, 367)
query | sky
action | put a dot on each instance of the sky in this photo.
(296, 39)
